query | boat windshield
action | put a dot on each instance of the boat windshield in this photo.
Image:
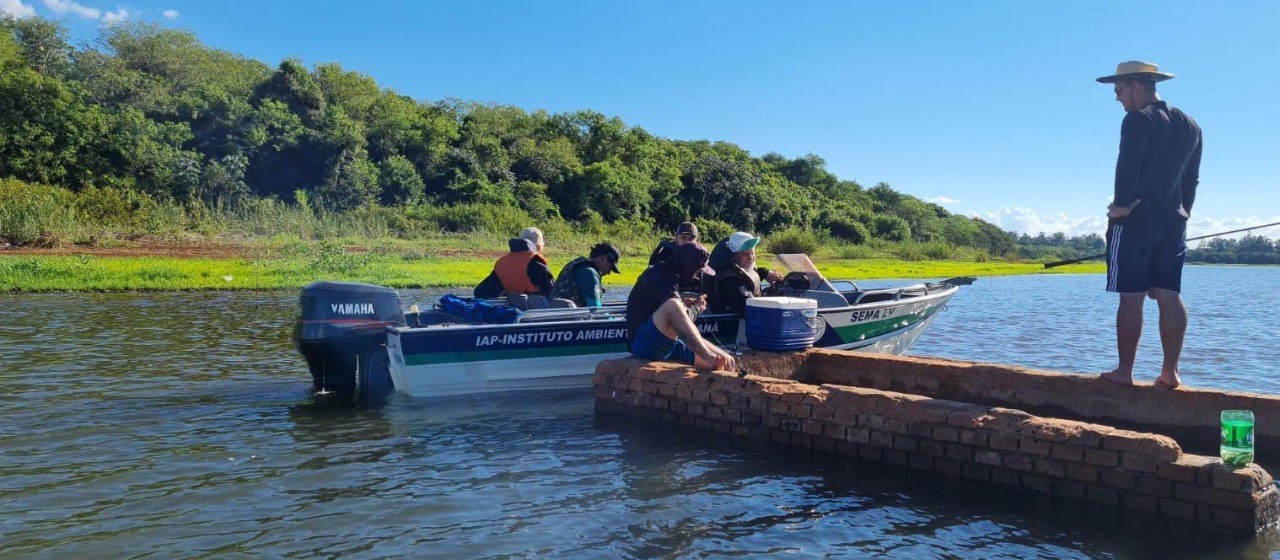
(798, 262)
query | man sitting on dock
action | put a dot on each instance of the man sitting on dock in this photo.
(580, 280)
(658, 322)
(522, 271)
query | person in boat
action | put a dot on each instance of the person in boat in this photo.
(522, 271)
(580, 280)
(659, 326)
(1157, 172)
(739, 279)
(686, 233)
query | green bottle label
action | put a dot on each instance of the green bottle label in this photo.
(1237, 434)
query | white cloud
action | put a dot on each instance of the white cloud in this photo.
(1026, 220)
(16, 9)
(171, 14)
(116, 16)
(1207, 226)
(943, 200)
(70, 7)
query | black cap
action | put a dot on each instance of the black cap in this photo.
(687, 227)
(609, 250)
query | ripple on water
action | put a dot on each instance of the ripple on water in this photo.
(124, 437)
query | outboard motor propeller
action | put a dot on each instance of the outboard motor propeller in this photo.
(341, 331)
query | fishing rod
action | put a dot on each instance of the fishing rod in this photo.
(1100, 255)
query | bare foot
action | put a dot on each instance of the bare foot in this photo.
(1168, 381)
(1118, 378)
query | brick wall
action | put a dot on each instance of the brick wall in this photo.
(1188, 414)
(1138, 471)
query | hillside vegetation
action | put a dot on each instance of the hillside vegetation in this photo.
(148, 132)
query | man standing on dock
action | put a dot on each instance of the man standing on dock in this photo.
(1157, 172)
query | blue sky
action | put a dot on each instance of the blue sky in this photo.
(987, 108)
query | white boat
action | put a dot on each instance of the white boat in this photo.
(355, 338)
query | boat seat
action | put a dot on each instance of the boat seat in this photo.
(525, 302)
(873, 296)
(825, 299)
(561, 303)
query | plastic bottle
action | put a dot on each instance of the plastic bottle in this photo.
(1237, 437)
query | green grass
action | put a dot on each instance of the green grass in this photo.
(292, 266)
(284, 245)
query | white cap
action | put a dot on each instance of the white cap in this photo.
(742, 241)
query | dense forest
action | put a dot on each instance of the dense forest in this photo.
(148, 113)
(148, 129)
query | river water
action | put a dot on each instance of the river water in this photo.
(179, 425)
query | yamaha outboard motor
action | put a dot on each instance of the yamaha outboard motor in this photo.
(341, 331)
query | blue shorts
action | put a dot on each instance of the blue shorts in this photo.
(1145, 256)
(651, 344)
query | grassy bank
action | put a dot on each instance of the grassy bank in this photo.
(456, 265)
(98, 239)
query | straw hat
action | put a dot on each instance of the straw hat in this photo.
(1137, 70)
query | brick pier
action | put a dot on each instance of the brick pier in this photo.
(903, 411)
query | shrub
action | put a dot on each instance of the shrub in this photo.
(793, 240)
(126, 209)
(711, 231)
(332, 257)
(891, 228)
(932, 251)
(857, 252)
(631, 229)
(467, 218)
(849, 230)
(35, 214)
(937, 250)
(399, 181)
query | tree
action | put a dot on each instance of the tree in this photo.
(891, 228)
(223, 180)
(721, 189)
(849, 229)
(151, 154)
(353, 182)
(614, 190)
(43, 44)
(399, 181)
(47, 133)
(294, 86)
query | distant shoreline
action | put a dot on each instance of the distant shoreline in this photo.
(162, 266)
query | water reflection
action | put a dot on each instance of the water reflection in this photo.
(717, 496)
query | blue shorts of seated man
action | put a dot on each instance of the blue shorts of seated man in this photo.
(651, 344)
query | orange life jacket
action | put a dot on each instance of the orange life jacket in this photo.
(513, 272)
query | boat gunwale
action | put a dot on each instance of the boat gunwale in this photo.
(949, 291)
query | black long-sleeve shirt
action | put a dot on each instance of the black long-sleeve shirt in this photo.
(1159, 162)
